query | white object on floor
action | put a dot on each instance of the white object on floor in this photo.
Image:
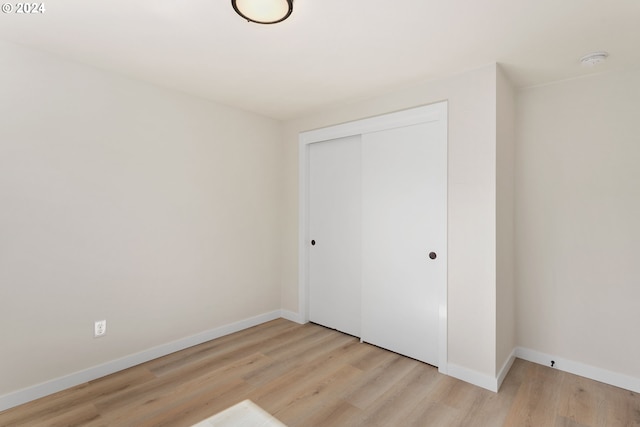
(243, 414)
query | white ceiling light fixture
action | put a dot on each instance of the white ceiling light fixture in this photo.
(593, 59)
(263, 11)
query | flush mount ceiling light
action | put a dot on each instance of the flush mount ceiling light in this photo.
(263, 11)
(594, 58)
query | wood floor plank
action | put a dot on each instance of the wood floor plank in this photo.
(456, 394)
(311, 376)
(307, 400)
(410, 391)
(580, 401)
(59, 403)
(278, 393)
(496, 406)
(198, 406)
(434, 414)
(375, 382)
(78, 415)
(301, 352)
(622, 407)
(227, 350)
(331, 413)
(265, 332)
(567, 422)
(168, 394)
(536, 402)
(372, 358)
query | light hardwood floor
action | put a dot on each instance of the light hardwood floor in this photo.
(310, 376)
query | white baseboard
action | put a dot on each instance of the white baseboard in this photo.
(587, 371)
(290, 315)
(37, 391)
(478, 378)
(598, 374)
(472, 377)
(506, 368)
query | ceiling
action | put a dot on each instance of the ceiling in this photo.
(329, 51)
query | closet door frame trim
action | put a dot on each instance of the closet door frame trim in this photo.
(412, 116)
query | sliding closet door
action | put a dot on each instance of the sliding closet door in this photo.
(335, 235)
(404, 221)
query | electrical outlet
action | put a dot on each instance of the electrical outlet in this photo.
(99, 328)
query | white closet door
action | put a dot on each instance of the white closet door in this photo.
(404, 220)
(335, 211)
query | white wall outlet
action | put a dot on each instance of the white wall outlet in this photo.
(99, 328)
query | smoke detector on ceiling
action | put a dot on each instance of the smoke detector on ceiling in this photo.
(594, 58)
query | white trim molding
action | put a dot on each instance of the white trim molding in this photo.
(290, 315)
(473, 377)
(480, 379)
(37, 391)
(506, 367)
(577, 368)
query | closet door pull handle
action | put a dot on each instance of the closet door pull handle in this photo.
(432, 255)
(313, 243)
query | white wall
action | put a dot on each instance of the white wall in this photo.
(472, 205)
(122, 201)
(125, 201)
(505, 222)
(578, 220)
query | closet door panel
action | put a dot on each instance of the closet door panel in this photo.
(404, 220)
(335, 211)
